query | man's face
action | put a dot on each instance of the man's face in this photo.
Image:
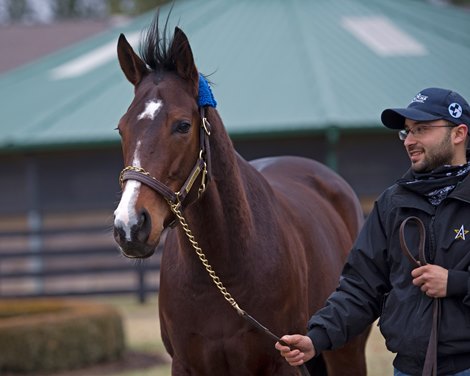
(428, 144)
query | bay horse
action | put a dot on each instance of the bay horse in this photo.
(273, 233)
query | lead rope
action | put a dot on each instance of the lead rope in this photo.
(430, 361)
(175, 207)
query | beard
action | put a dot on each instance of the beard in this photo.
(434, 156)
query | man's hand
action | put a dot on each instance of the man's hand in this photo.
(432, 279)
(302, 349)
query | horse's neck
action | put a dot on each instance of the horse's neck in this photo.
(223, 217)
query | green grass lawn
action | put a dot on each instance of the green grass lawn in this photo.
(142, 331)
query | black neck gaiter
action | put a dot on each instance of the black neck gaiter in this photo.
(437, 184)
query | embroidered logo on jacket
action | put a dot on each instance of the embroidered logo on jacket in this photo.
(460, 233)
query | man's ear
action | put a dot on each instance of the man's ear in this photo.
(461, 134)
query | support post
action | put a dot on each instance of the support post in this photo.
(332, 137)
(35, 224)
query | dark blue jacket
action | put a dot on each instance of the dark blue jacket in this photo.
(376, 282)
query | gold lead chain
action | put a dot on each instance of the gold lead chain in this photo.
(202, 257)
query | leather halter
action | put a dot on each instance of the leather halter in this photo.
(202, 166)
(430, 361)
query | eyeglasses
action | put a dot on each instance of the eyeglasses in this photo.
(420, 130)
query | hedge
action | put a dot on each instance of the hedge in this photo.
(46, 335)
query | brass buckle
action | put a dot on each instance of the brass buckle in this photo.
(206, 125)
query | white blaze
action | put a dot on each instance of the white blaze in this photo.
(152, 108)
(125, 215)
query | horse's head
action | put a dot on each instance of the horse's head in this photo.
(160, 135)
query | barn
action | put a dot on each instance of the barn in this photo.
(291, 77)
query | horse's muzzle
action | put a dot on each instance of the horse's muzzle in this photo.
(135, 244)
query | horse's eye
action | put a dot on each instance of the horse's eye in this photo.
(182, 127)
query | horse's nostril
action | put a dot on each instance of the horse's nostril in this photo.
(119, 233)
(142, 218)
(144, 226)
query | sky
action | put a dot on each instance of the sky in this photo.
(43, 11)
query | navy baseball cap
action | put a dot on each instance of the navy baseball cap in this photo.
(430, 104)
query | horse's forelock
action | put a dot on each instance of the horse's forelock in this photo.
(155, 46)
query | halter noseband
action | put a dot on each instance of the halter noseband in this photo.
(202, 166)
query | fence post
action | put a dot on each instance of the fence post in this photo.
(141, 269)
(35, 223)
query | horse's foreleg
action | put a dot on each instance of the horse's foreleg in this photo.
(348, 360)
(177, 368)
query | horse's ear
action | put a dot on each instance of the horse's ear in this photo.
(131, 64)
(182, 57)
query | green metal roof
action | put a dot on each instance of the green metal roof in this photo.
(278, 66)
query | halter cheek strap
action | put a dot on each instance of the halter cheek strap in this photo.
(202, 165)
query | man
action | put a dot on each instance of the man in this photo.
(379, 281)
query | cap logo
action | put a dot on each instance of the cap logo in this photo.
(420, 98)
(455, 110)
